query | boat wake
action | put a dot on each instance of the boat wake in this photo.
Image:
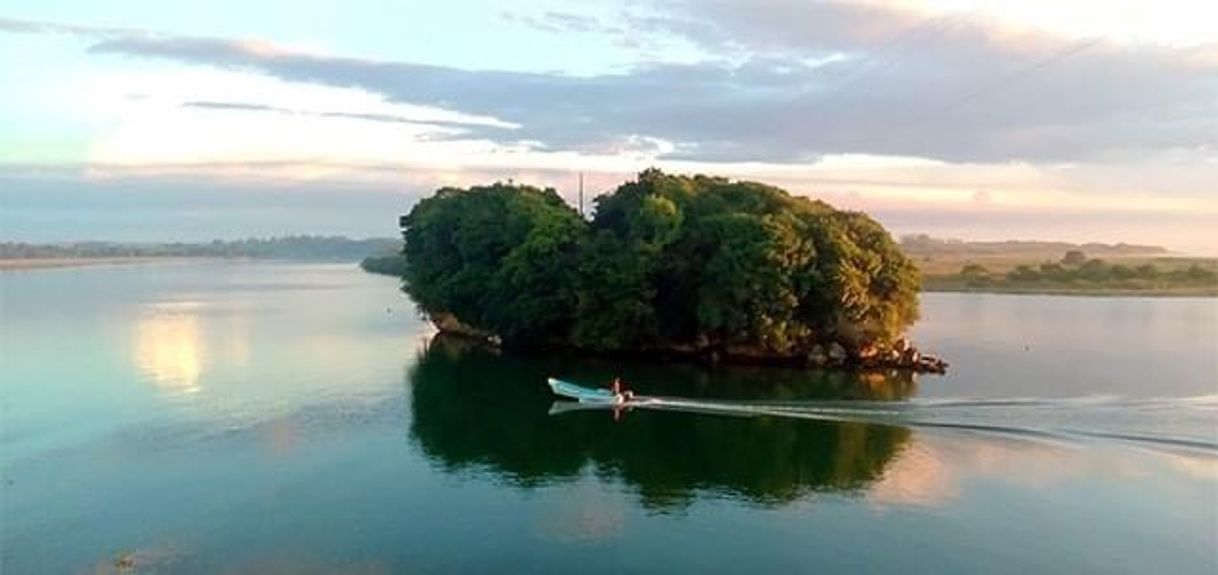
(1169, 423)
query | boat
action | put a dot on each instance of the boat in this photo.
(583, 394)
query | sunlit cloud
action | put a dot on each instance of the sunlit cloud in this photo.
(1171, 22)
(937, 111)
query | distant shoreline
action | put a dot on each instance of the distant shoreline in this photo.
(1188, 291)
(32, 264)
(20, 264)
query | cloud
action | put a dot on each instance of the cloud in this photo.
(455, 127)
(1097, 135)
(15, 26)
(795, 81)
(562, 22)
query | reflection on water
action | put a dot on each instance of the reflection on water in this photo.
(1004, 346)
(936, 468)
(169, 347)
(588, 514)
(475, 410)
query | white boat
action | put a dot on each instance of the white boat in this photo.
(583, 394)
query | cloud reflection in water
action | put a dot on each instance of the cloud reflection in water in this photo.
(169, 347)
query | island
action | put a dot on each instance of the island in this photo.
(694, 267)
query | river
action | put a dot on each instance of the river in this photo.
(274, 417)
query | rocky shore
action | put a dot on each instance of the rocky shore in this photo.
(900, 355)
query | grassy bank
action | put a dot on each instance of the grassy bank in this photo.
(1038, 267)
(950, 284)
(1146, 276)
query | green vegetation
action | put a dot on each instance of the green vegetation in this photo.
(941, 257)
(1058, 267)
(669, 263)
(387, 264)
(390, 261)
(1075, 273)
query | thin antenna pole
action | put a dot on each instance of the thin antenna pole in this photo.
(581, 194)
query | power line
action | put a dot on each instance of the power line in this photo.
(1025, 71)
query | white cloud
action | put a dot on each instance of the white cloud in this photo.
(906, 111)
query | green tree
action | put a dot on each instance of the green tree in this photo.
(697, 262)
(1074, 258)
(1122, 272)
(615, 294)
(1023, 273)
(750, 289)
(974, 270)
(1197, 274)
(1094, 270)
(499, 257)
(1053, 272)
(975, 274)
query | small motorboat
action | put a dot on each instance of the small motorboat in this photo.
(584, 394)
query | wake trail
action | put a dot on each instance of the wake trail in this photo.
(1068, 420)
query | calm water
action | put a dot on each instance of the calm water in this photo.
(254, 418)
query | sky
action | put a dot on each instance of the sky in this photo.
(1077, 120)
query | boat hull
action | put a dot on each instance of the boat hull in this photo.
(582, 394)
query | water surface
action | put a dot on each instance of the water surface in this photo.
(242, 417)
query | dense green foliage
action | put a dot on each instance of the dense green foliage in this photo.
(669, 261)
(502, 258)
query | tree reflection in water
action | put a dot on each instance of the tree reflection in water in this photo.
(474, 409)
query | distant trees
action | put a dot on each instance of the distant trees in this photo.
(695, 262)
(306, 247)
(387, 264)
(974, 270)
(1091, 273)
(975, 274)
(1074, 258)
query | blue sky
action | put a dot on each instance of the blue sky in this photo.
(1077, 120)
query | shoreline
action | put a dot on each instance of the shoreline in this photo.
(901, 355)
(32, 264)
(24, 264)
(1080, 292)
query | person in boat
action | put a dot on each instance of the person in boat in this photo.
(620, 392)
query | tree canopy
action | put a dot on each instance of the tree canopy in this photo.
(690, 262)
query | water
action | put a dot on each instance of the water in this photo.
(252, 418)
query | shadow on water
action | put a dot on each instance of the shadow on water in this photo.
(475, 411)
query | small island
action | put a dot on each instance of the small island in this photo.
(692, 267)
